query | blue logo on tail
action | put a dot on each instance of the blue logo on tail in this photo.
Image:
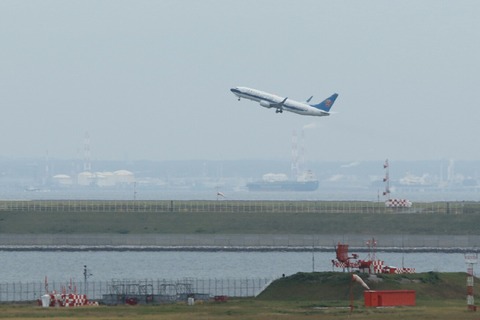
(326, 104)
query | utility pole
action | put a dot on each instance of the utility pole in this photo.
(86, 274)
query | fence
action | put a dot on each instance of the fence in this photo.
(227, 206)
(176, 289)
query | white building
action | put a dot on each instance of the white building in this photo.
(105, 178)
(62, 180)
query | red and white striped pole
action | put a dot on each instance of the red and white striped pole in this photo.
(470, 260)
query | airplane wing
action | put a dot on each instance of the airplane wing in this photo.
(308, 100)
(279, 105)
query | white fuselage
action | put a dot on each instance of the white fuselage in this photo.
(269, 100)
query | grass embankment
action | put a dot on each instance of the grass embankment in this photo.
(236, 223)
(301, 296)
(333, 286)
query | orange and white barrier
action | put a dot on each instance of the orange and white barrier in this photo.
(377, 266)
(75, 300)
(68, 300)
(405, 270)
(398, 203)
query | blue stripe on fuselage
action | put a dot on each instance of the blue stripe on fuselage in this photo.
(265, 99)
(255, 96)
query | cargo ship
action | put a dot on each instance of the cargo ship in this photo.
(280, 182)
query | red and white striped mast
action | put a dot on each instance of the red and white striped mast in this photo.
(386, 179)
(372, 249)
(470, 260)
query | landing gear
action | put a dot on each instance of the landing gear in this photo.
(238, 98)
(279, 111)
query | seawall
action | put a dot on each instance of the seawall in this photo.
(237, 242)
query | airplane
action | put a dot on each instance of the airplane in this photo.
(269, 100)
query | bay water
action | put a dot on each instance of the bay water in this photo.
(24, 266)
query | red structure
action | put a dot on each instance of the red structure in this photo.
(470, 260)
(343, 260)
(370, 265)
(220, 298)
(389, 298)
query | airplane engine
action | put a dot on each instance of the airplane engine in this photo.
(265, 104)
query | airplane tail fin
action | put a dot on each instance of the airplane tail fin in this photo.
(326, 104)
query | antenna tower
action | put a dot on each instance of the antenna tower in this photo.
(372, 249)
(87, 165)
(47, 170)
(386, 179)
(470, 260)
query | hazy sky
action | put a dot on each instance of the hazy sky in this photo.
(151, 79)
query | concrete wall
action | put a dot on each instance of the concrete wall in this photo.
(226, 241)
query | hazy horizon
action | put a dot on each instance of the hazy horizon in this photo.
(150, 80)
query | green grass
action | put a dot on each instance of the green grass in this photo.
(245, 309)
(236, 217)
(328, 286)
(236, 223)
(325, 295)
